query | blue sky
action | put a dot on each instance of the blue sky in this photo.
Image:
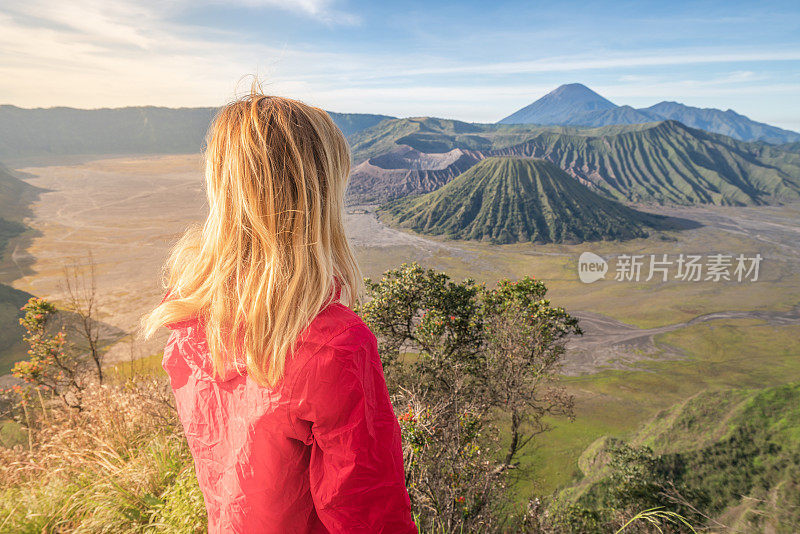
(476, 61)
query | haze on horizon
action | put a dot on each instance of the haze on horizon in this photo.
(455, 60)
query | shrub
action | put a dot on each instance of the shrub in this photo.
(456, 354)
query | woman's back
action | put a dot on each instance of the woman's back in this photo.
(321, 452)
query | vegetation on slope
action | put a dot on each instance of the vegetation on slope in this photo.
(120, 465)
(670, 163)
(729, 459)
(112, 458)
(432, 135)
(664, 162)
(12, 349)
(506, 200)
(726, 122)
(14, 195)
(723, 458)
(352, 123)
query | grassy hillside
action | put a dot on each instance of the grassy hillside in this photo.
(664, 162)
(669, 163)
(506, 200)
(734, 453)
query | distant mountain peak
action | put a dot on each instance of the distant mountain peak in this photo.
(560, 104)
(576, 90)
(727, 122)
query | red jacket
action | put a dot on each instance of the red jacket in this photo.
(320, 452)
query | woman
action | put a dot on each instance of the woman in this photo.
(278, 384)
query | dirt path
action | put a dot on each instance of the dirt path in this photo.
(611, 344)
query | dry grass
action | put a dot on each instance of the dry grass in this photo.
(122, 465)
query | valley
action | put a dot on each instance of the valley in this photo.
(675, 338)
(481, 201)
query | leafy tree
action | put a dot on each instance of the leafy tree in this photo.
(524, 341)
(58, 363)
(49, 366)
(456, 354)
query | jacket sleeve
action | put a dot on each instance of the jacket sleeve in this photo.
(356, 465)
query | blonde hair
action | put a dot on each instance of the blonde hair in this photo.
(272, 252)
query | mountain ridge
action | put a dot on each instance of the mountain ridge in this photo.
(58, 131)
(664, 162)
(550, 109)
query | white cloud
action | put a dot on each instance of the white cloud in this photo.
(320, 9)
(91, 53)
(608, 61)
(312, 7)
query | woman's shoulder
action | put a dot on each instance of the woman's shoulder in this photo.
(337, 333)
(334, 325)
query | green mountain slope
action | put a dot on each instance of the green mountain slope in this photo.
(726, 122)
(668, 162)
(15, 195)
(433, 135)
(663, 162)
(12, 347)
(506, 200)
(352, 123)
(734, 455)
